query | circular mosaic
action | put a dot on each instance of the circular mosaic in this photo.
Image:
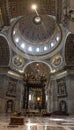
(56, 60)
(18, 61)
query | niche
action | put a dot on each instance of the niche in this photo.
(63, 106)
(9, 106)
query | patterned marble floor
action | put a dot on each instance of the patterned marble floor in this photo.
(39, 123)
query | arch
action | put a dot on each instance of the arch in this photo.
(69, 50)
(49, 66)
(44, 69)
(4, 52)
(37, 79)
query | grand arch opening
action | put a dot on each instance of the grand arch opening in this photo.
(36, 86)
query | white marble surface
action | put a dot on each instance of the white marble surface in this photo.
(39, 123)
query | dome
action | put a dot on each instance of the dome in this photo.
(36, 35)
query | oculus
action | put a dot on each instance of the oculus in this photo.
(37, 20)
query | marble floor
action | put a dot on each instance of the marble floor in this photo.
(39, 123)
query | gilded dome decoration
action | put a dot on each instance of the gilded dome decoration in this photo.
(36, 35)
